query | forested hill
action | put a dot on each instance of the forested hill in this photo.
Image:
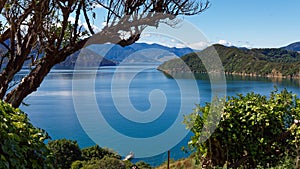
(254, 62)
(293, 47)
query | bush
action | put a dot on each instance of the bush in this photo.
(22, 144)
(143, 165)
(77, 164)
(253, 130)
(109, 163)
(65, 152)
(96, 163)
(98, 152)
(96, 157)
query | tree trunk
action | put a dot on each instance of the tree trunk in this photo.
(29, 84)
(15, 64)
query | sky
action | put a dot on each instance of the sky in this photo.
(251, 23)
(242, 23)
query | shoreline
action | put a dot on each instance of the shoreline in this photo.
(275, 75)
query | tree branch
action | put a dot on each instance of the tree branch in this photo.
(87, 20)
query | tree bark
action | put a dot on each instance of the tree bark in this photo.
(15, 65)
(31, 82)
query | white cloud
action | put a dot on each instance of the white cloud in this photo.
(72, 20)
(80, 23)
(96, 5)
(225, 43)
(196, 45)
(151, 38)
(103, 24)
(199, 45)
(94, 27)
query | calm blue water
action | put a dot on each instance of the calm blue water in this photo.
(52, 106)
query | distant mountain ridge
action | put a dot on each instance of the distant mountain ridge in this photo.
(293, 47)
(139, 52)
(252, 62)
(155, 53)
(88, 58)
(115, 54)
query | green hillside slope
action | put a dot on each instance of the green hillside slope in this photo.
(253, 62)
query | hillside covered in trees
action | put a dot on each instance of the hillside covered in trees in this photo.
(242, 61)
(293, 47)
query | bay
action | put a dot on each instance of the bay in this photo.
(52, 106)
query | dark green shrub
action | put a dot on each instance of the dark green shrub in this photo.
(253, 130)
(22, 144)
(109, 163)
(65, 152)
(96, 163)
(98, 152)
(77, 164)
(143, 165)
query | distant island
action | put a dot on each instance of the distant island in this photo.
(271, 62)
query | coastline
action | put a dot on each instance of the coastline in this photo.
(275, 74)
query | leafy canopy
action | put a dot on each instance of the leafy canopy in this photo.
(253, 130)
(22, 144)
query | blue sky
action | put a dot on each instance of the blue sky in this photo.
(248, 23)
(252, 23)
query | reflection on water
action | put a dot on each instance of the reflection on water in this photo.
(288, 82)
(276, 80)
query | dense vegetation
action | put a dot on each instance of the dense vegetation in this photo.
(67, 154)
(254, 131)
(293, 47)
(255, 62)
(21, 144)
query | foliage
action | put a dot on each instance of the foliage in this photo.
(253, 130)
(65, 152)
(189, 163)
(22, 144)
(258, 62)
(108, 163)
(293, 47)
(98, 152)
(284, 163)
(95, 163)
(143, 165)
(97, 157)
(77, 164)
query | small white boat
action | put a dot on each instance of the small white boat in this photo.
(129, 156)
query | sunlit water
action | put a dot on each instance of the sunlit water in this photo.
(51, 107)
